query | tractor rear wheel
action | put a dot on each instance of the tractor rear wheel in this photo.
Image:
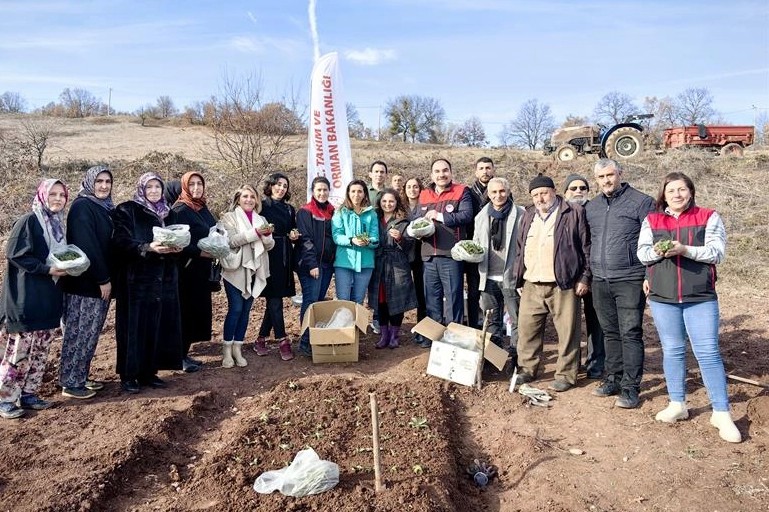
(731, 149)
(566, 153)
(624, 143)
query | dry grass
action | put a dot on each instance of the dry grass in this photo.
(732, 186)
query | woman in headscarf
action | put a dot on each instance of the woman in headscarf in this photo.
(194, 266)
(147, 315)
(282, 217)
(87, 296)
(244, 270)
(31, 303)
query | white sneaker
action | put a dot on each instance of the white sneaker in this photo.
(375, 327)
(728, 431)
(673, 412)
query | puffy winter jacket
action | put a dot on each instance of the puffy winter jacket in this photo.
(615, 223)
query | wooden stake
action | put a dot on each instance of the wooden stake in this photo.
(747, 381)
(378, 486)
(479, 374)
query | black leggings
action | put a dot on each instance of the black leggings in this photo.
(385, 318)
(273, 318)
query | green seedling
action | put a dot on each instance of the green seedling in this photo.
(418, 422)
(664, 245)
(417, 469)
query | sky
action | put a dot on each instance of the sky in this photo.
(481, 58)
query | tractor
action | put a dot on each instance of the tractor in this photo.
(622, 141)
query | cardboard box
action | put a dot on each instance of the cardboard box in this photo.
(335, 345)
(455, 363)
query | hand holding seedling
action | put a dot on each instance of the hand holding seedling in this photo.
(670, 248)
(361, 239)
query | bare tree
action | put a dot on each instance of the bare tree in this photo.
(200, 112)
(32, 140)
(248, 137)
(471, 133)
(165, 107)
(531, 128)
(416, 117)
(79, 103)
(614, 107)
(574, 120)
(355, 126)
(694, 106)
(12, 103)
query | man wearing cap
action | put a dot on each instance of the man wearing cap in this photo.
(552, 269)
(575, 191)
(449, 206)
(615, 216)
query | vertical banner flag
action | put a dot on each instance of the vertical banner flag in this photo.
(328, 146)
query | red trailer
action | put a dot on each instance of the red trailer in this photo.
(726, 140)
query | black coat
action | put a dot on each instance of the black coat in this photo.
(31, 300)
(281, 281)
(89, 226)
(316, 244)
(194, 271)
(147, 314)
(393, 268)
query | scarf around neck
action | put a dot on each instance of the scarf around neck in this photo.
(320, 210)
(498, 221)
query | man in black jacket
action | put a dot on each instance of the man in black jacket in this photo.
(615, 216)
(484, 171)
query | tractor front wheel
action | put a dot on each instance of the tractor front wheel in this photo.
(624, 143)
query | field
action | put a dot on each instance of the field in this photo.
(201, 443)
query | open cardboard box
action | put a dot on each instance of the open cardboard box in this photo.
(336, 345)
(455, 363)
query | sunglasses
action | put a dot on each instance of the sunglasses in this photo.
(580, 187)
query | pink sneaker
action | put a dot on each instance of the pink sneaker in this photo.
(260, 346)
(285, 349)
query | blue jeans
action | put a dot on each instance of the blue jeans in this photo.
(314, 290)
(443, 279)
(698, 321)
(351, 285)
(238, 311)
(620, 309)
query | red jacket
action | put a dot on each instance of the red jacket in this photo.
(456, 205)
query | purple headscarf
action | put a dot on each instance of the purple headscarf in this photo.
(52, 223)
(159, 208)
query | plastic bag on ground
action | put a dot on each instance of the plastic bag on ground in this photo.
(467, 250)
(342, 317)
(459, 340)
(175, 235)
(420, 227)
(217, 243)
(69, 258)
(307, 474)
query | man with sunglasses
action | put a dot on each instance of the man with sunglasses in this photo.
(575, 191)
(615, 216)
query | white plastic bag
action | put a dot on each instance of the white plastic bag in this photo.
(175, 235)
(459, 340)
(423, 230)
(69, 258)
(217, 243)
(467, 250)
(342, 317)
(306, 475)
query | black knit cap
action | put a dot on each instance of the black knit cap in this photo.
(541, 181)
(574, 177)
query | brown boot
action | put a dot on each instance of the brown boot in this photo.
(260, 346)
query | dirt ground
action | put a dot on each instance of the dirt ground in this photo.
(201, 443)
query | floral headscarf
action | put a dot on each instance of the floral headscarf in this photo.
(52, 223)
(186, 196)
(88, 186)
(159, 208)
